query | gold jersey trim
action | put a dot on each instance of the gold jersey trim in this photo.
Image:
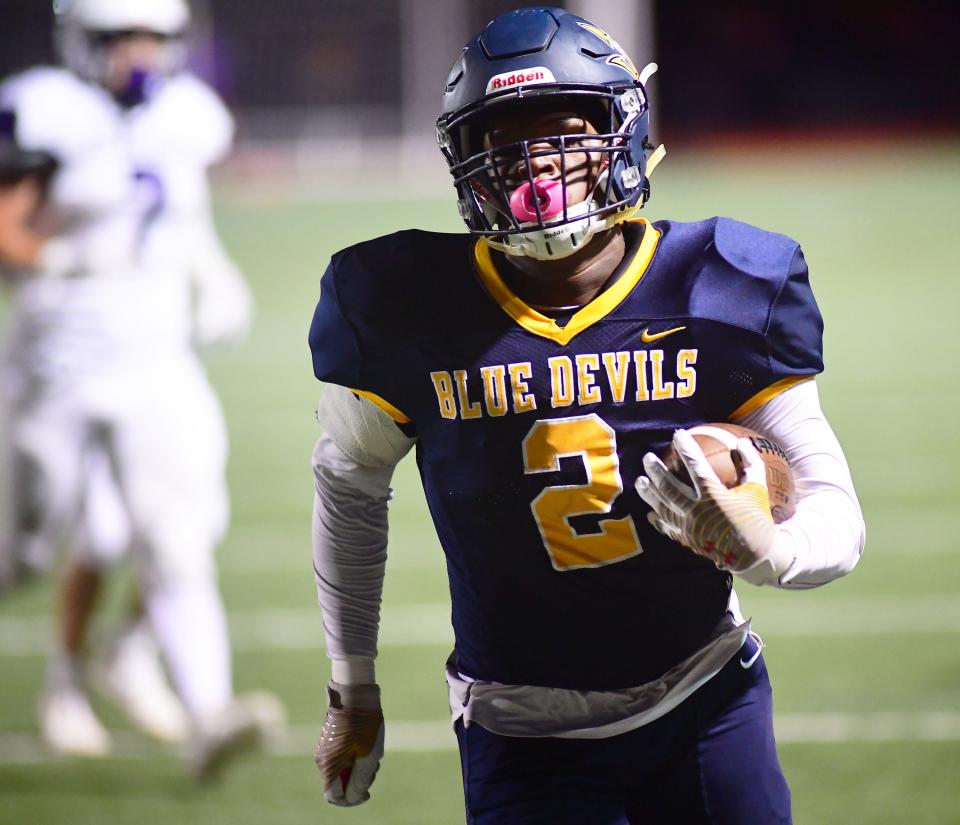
(386, 406)
(601, 306)
(767, 394)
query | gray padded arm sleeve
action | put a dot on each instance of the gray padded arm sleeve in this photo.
(353, 463)
(360, 429)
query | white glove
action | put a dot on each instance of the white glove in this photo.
(730, 526)
(224, 303)
(224, 310)
(351, 743)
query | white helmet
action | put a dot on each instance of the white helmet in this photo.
(82, 23)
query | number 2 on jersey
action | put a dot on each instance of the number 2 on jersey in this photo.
(592, 439)
(151, 197)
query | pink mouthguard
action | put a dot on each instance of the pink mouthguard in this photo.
(549, 194)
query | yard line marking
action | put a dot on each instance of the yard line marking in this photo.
(289, 541)
(242, 551)
(407, 736)
(825, 728)
(413, 625)
(825, 615)
(425, 624)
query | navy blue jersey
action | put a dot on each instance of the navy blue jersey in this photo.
(531, 431)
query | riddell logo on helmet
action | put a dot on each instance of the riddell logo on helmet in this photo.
(521, 77)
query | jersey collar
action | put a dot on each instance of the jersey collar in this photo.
(601, 306)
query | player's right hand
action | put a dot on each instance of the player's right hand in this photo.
(351, 743)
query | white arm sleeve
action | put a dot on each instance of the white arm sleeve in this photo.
(224, 303)
(826, 535)
(353, 462)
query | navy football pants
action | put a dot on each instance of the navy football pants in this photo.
(711, 760)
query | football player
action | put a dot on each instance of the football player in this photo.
(603, 671)
(117, 440)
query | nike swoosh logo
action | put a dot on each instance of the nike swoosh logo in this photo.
(649, 337)
(746, 664)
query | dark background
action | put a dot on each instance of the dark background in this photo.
(724, 66)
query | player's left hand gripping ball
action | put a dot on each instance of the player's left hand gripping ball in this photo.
(351, 743)
(732, 527)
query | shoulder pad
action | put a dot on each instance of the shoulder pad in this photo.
(379, 293)
(740, 272)
(751, 250)
(758, 281)
(187, 117)
(58, 113)
(332, 339)
(380, 277)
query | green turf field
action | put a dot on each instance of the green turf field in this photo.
(866, 672)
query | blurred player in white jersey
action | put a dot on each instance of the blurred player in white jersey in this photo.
(116, 439)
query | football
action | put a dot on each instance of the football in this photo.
(719, 441)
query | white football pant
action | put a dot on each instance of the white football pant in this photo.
(135, 461)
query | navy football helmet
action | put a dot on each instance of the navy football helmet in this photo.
(557, 62)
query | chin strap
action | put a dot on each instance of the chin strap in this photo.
(647, 72)
(653, 162)
(656, 156)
